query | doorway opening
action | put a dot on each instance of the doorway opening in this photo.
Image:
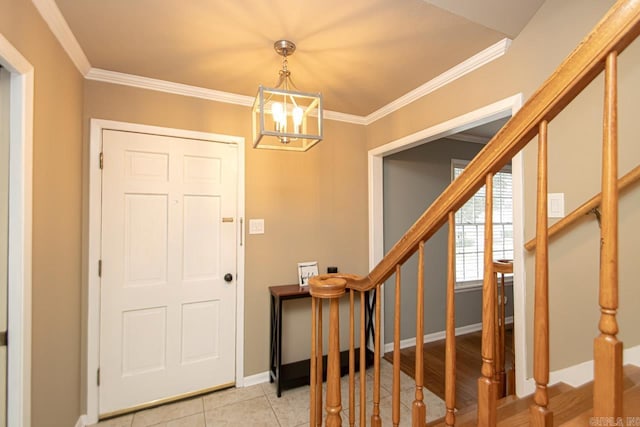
(490, 113)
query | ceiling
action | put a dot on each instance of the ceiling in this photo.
(361, 54)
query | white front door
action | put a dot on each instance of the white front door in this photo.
(167, 315)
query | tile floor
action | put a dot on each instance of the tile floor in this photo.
(258, 405)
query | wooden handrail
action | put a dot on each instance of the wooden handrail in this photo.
(625, 182)
(619, 27)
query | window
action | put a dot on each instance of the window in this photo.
(469, 223)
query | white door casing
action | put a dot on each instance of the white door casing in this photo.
(168, 239)
(19, 251)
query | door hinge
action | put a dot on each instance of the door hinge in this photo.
(101, 160)
(98, 377)
(99, 268)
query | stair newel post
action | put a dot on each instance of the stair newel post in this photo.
(352, 360)
(419, 410)
(313, 409)
(331, 288)
(540, 415)
(450, 345)
(607, 394)
(319, 367)
(486, 384)
(363, 366)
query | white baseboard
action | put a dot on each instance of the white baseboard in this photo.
(82, 421)
(437, 336)
(262, 377)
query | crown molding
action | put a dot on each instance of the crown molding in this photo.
(344, 117)
(53, 17)
(168, 87)
(489, 54)
(58, 25)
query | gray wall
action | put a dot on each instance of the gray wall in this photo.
(412, 181)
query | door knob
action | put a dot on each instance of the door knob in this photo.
(228, 277)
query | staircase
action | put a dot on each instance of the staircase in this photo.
(613, 393)
(570, 406)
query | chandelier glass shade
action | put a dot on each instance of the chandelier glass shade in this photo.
(286, 119)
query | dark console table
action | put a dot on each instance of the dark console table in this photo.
(296, 374)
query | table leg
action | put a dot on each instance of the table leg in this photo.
(279, 349)
(272, 342)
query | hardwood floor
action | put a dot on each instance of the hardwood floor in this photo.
(468, 362)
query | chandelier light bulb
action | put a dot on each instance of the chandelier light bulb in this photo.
(297, 119)
(278, 115)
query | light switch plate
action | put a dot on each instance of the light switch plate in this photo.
(256, 226)
(555, 204)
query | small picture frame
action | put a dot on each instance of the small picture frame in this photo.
(306, 270)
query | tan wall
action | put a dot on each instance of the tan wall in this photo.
(314, 204)
(574, 165)
(334, 220)
(57, 147)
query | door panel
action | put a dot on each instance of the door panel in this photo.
(167, 323)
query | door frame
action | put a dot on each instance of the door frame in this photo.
(94, 243)
(500, 109)
(20, 220)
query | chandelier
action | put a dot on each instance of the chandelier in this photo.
(286, 119)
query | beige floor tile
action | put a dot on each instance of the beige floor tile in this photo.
(292, 408)
(255, 412)
(169, 412)
(344, 390)
(195, 420)
(386, 413)
(231, 395)
(386, 377)
(124, 421)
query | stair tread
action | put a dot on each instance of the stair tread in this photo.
(630, 408)
(571, 406)
(507, 405)
(566, 405)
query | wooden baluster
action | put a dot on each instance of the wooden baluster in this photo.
(450, 344)
(419, 410)
(319, 374)
(334, 405)
(502, 307)
(499, 325)
(313, 409)
(607, 394)
(540, 415)
(376, 421)
(352, 361)
(496, 328)
(363, 363)
(395, 399)
(486, 385)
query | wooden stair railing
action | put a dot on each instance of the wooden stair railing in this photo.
(624, 183)
(597, 52)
